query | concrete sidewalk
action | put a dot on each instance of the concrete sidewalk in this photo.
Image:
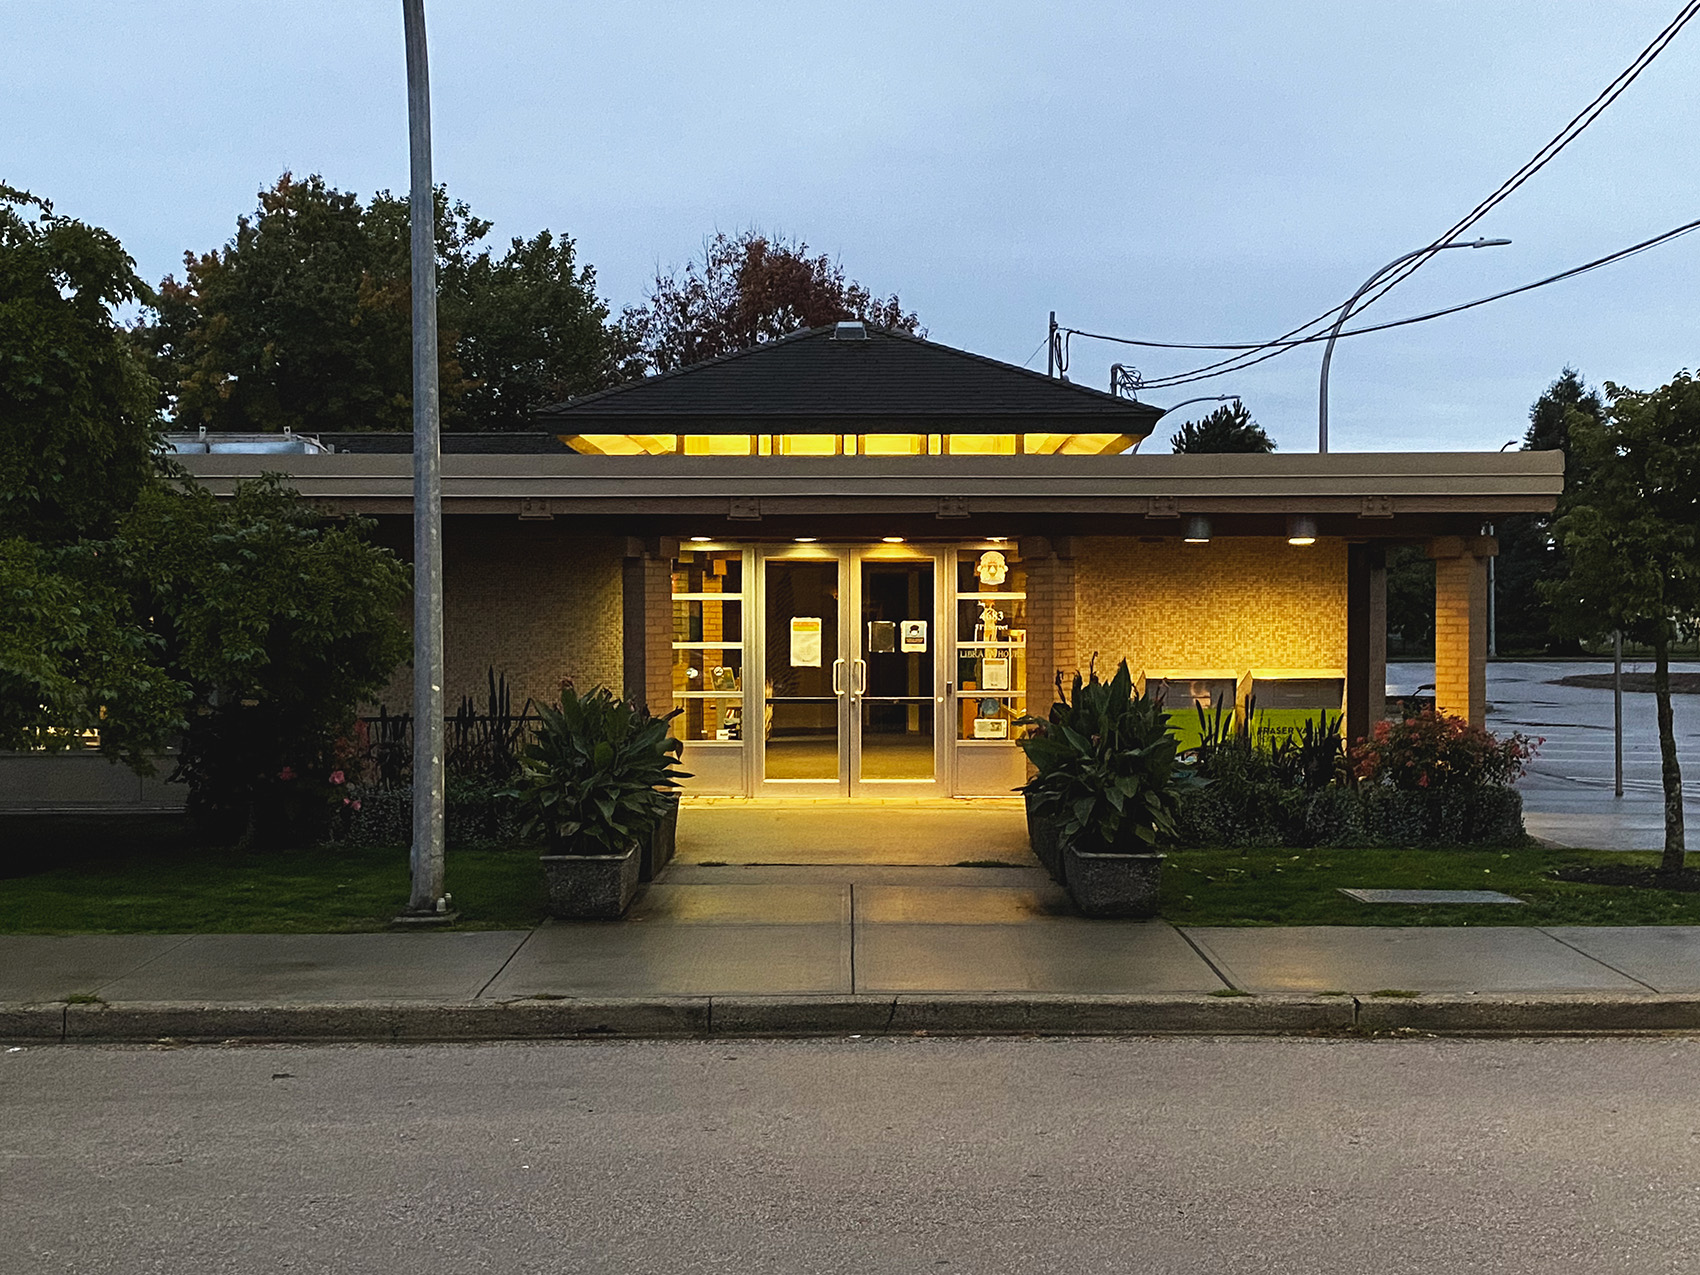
(829, 948)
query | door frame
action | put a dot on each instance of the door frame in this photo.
(852, 676)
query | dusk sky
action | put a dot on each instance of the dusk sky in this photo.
(1184, 172)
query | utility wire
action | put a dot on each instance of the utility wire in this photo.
(1596, 264)
(1539, 160)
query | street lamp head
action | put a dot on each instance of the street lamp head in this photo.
(1489, 243)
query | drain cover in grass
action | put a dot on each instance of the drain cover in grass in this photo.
(1430, 896)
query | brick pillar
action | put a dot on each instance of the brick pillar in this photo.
(1366, 638)
(1460, 624)
(1050, 618)
(647, 623)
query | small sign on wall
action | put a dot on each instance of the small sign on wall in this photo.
(913, 636)
(805, 641)
(991, 728)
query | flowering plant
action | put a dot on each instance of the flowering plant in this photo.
(1436, 750)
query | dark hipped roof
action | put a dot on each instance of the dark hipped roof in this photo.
(815, 383)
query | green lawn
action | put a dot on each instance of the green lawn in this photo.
(165, 889)
(1302, 887)
(298, 891)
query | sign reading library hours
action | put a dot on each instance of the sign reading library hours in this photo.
(912, 636)
(805, 641)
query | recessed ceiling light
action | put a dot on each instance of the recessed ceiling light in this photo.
(701, 540)
(892, 540)
(806, 540)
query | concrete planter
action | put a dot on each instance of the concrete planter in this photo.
(1114, 884)
(592, 887)
(659, 848)
(1047, 847)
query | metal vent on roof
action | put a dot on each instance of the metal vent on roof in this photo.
(852, 331)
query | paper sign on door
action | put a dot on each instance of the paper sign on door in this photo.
(913, 635)
(805, 641)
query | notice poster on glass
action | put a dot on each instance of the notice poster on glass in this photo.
(994, 673)
(805, 641)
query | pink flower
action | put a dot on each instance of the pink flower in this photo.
(338, 777)
(287, 773)
(345, 801)
(357, 805)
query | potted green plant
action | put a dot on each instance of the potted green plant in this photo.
(1041, 824)
(593, 786)
(1108, 774)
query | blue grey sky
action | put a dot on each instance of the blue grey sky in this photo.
(1177, 171)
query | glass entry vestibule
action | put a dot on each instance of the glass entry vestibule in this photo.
(809, 670)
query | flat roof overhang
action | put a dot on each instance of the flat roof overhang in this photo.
(1362, 485)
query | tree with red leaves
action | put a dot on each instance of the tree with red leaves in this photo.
(744, 290)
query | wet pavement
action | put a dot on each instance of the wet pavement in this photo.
(1567, 794)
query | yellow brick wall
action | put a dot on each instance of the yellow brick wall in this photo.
(1460, 637)
(1231, 604)
(534, 601)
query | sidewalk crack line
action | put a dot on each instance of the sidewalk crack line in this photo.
(1599, 961)
(518, 948)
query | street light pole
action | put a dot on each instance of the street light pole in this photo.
(1346, 310)
(426, 859)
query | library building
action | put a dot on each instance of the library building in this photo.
(856, 560)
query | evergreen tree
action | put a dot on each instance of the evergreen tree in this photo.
(1227, 429)
(1527, 552)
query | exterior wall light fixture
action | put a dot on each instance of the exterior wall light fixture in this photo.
(1197, 530)
(1301, 529)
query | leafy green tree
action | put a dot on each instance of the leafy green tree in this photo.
(137, 606)
(1227, 429)
(280, 621)
(303, 320)
(1410, 601)
(78, 431)
(743, 290)
(78, 420)
(1628, 527)
(1527, 553)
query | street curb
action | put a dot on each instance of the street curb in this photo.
(1086, 1015)
(655, 1018)
(1530, 1015)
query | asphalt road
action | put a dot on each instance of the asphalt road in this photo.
(877, 1155)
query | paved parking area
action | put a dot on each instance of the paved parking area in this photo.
(1567, 794)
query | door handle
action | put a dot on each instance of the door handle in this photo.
(838, 677)
(861, 677)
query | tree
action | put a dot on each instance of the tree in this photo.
(1527, 553)
(1227, 429)
(744, 290)
(78, 430)
(303, 320)
(135, 605)
(1628, 528)
(279, 621)
(78, 421)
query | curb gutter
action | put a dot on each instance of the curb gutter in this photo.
(1484, 1014)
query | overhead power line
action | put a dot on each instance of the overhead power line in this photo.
(1572, 130)
(1599, 262)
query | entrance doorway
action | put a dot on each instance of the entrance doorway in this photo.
(850, 661)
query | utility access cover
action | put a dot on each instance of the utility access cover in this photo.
(1429, 896)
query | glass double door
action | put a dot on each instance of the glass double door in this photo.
(850, 666)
